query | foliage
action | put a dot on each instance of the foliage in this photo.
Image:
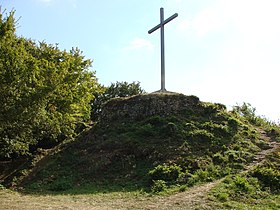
(158, 186)
(209, 173)
(247, 111)
(238, 187)
(256, 189)
(165, 172)
(123, 89)
(45, 92)
(118, 89)
(162, 154)
(268, 176)
(61, 185)
(2, 187)
(196, 148)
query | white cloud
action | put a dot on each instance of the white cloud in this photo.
(139, 43)
(256, 20)
(184, 25)
(240, 62)
(253, 18)
(208, 20)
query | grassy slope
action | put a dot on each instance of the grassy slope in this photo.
(162, 155)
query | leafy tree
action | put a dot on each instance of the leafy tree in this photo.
(44, 92)
(123, 89)
(118, 89)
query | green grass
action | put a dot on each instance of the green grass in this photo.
(189, 149)
(258, 188)
(163, 155)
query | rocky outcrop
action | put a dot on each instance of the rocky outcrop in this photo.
(142, 106)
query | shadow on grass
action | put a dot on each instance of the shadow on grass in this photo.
(94, 188)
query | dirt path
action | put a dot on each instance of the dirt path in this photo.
(260, 157)
(194, 198)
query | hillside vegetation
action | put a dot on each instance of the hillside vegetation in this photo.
(162, 155)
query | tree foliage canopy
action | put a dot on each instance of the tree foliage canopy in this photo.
(44, 92)
(118, 89)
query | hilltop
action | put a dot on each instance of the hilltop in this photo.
(164, 143)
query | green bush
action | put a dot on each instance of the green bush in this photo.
(223, 197)
(146, 130)
(61, 185)
(209, 173)
(183, 177)
(201, 135)
(2, 187)
(156, 121)
(158, 186)
(218, 158)
(269, 177)
(168, 173)
(171, 128)
(241, 184)
(234, 156)
(183, 188)
(239, 188)
(199, 176)
(218, 129)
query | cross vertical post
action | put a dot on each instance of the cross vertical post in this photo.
(162, 50)
(161, 26)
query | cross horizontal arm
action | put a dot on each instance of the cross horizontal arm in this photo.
(163, 23)
(170, 18)
(154, 29)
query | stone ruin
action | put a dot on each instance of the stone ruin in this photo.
(139, 107)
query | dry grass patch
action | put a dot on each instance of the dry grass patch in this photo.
(193, 198)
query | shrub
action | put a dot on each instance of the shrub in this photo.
(182, 188)
(156, 121)
(223, 197)
(199, 176)
(183, 177)
(201, 135)
(233, 156)
(2, 187)
(218, 158)
(165, 172)
(241, 184)
(61, 185)
(158, 186)
(171, 128)
(269, 177)
(146, 130)
(218, 129)
(210, 173)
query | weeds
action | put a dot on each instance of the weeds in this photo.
(162, 154)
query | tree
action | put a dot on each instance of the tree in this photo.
(118, 89)
(123, 89)
(44, 92)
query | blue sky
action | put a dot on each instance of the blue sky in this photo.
(221, 51)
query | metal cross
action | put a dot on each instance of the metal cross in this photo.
(161, 26)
